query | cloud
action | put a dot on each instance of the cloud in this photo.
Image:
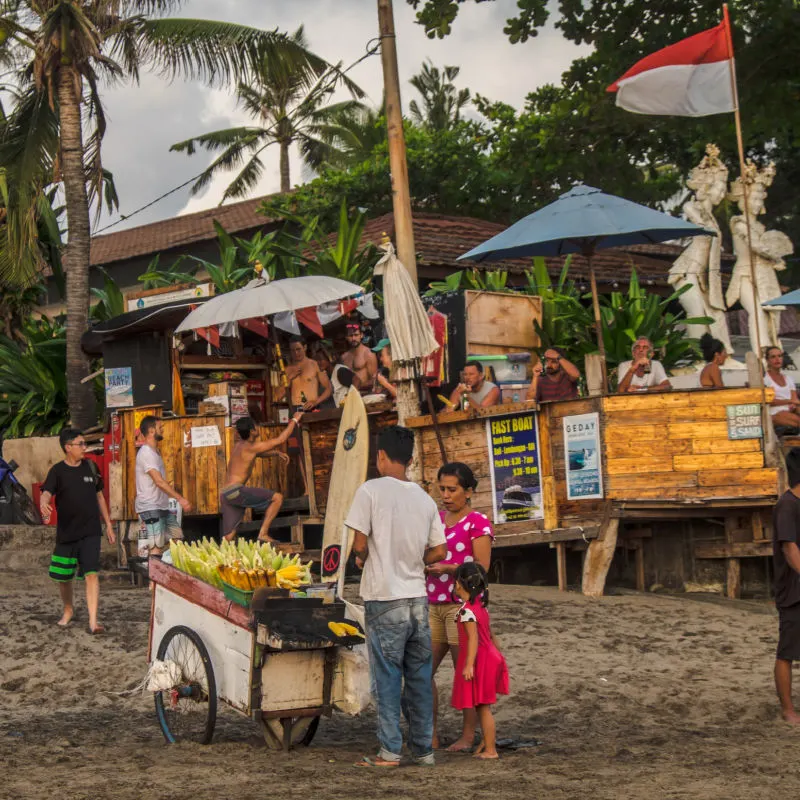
(146, 120)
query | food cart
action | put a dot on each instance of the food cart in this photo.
(275, 663)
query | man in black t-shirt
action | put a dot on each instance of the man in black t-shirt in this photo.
(77, 487)
(786, 557)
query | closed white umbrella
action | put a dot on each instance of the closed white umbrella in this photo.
(407, 323)
(262, 298)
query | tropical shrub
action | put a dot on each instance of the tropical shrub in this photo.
(33, 380)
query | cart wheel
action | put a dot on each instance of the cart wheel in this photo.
(187, 712)
(288, 732)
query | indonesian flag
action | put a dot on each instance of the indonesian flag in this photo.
(691, 78)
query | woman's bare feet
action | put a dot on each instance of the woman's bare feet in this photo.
(486, 755)
(460, 746)
(66, 617)
(792, 717)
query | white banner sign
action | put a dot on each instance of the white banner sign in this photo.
(582, 454)
(206, 436)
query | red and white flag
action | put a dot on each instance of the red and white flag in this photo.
(691, 78)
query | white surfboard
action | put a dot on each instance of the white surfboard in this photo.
(349, 471)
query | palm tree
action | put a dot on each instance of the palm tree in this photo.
(288, 100)
(352, 136)
(63, 51)
(441, 101)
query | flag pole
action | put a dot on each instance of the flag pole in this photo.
(770, 442)
(742, 172)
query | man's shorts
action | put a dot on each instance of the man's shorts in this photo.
(789, 633)
(75, 559)
(157, 529)
(236, 499)
(444, 629)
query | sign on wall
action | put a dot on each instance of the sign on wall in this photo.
(119, 387)
(205, 436)
(744, 421)
(582, 454)
(514, 468)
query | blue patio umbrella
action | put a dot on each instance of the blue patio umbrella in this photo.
(582, 221)
(789, 299)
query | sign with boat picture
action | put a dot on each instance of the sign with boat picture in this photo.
(514, 468)
(582, 448)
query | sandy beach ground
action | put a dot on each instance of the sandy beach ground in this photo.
(633, 696)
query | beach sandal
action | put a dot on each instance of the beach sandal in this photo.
(377, 763)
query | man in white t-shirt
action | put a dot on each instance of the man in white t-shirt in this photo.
(642, 374)
(397, 532)
(158, 523)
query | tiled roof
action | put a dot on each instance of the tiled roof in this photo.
(440, 239)
(176, 232)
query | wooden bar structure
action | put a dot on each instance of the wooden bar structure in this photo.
(666, 459)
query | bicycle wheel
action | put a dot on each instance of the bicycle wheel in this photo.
(187, 712)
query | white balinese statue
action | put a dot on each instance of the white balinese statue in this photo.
(769, 249)
(698, 266)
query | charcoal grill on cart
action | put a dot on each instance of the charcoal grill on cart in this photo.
(274, 663)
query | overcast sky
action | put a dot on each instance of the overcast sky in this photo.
(145, 120)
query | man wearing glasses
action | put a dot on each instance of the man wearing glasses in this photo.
(77, 487)
(557, 381)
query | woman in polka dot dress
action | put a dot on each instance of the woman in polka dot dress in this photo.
(469, 538)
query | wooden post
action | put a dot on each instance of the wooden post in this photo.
(640, 585)
(733, 585)
(561, 561)
(549, 502)
(401, 196)
(599, 556)
(595, 372)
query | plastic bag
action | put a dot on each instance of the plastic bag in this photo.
(351, 681)
(162, 676)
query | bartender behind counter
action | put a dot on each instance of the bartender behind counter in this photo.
(309, 386)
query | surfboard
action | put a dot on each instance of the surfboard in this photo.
(349, 471)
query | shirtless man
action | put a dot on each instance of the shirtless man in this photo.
(306, 378)
(236, 498)
(360, 358)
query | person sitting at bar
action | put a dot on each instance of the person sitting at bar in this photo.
(479, 392)
(715, 355)
(558, 380)
(382, 383)
(310, 387)
(359, 358)
(643, 373)
(785, 408)
(321, 354)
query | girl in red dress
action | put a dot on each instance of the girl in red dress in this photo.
(481, 671)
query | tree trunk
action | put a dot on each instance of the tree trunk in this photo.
(76, 253)
(286, 183)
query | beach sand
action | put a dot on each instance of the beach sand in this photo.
(631, 696)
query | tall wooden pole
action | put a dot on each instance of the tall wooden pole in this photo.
(743, 174)
(401, 196)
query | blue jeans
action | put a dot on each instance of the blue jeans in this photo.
(401, 669)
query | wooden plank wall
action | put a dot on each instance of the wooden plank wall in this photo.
(675, 446)
(198, 473)
(323, 436)
(499, 322)
(466, 442)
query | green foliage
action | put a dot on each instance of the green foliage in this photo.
(33, 384)
(568, 321)
(441, 101)
(626, 317)
(110, 300)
